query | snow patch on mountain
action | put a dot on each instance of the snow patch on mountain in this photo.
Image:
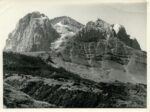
(65, 32)
(61, 40)
(61, 28)
(117, 27)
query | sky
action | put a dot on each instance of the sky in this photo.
(132, 16)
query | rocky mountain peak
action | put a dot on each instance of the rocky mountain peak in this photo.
(69, 23)
(32, 33)
(35, 14)
(30, 16)
(99, 23)
(95, 31)
(115, 30)
(66, 20)
(121, 34)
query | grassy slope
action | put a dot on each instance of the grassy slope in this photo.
(35, 66)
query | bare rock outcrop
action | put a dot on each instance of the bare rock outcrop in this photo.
(33, 32)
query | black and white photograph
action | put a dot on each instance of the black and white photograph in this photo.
(58, 54)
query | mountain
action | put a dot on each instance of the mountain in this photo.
(33, 32)
(103, 52)
(98, 51)
(62, 63)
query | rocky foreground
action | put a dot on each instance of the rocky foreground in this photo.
(30, 82)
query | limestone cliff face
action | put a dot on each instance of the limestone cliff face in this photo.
(33, 33)
(101, 53)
